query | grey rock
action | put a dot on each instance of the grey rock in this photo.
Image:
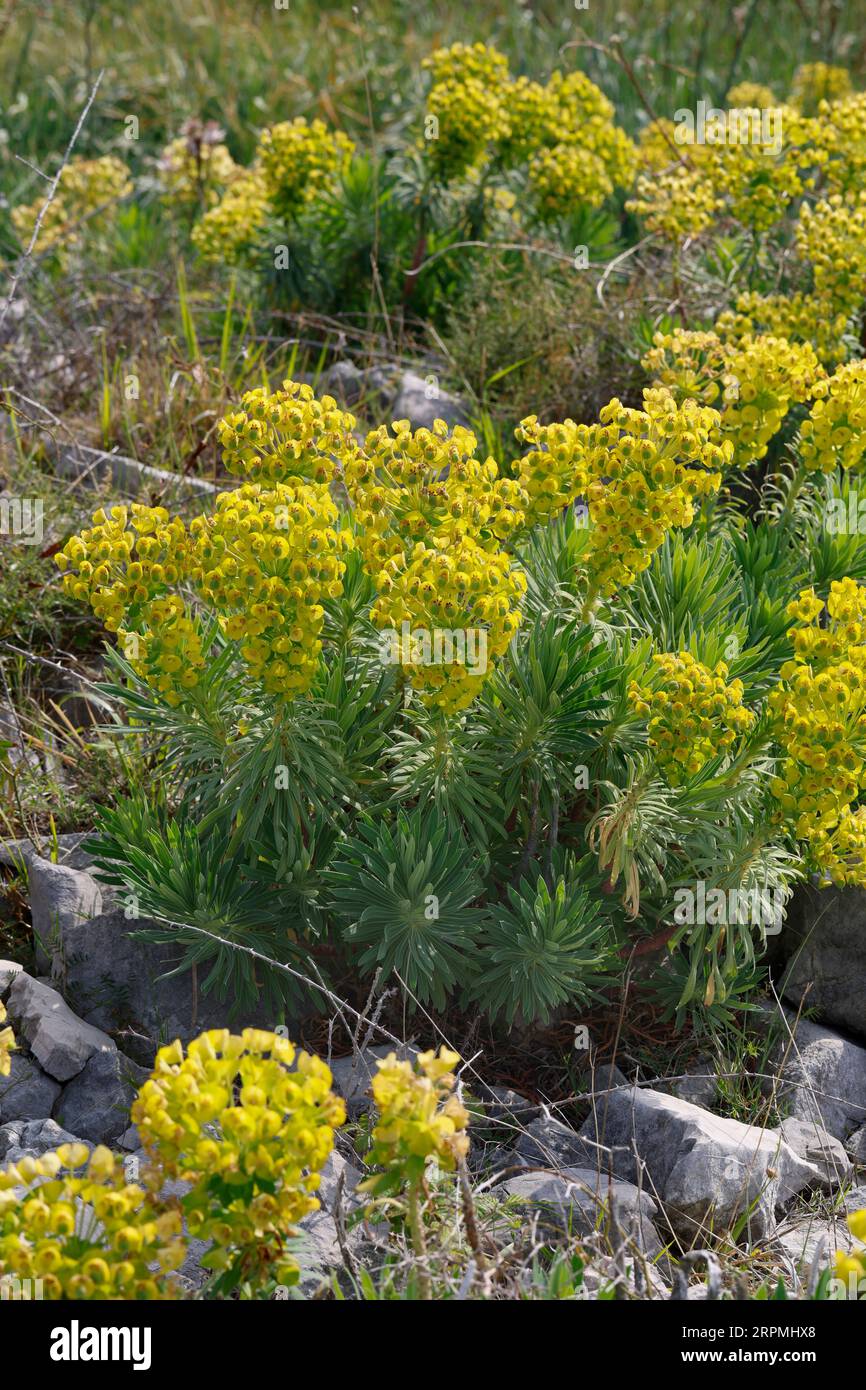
(8, 970)
(548, 1143)
(60, 899)
(706, 1171)
(59, 1040)
(31, 1137)
(816, 1146)
(580, 1201)
(502, 1108)
(96, 1103)
(14, 853)
(27, 1093)
(824, 945)
(852, 1200)
(118, 983)
(606, 1076)
(318, 1250)
(699, 1086)
(822, 1077)
(130, 1140)
(420, 400)
(855, 1146)
(352, 1075)
(344, 381)
(805, 1239)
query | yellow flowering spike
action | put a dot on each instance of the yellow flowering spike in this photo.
(832, 238)
(87, 194)
(195, 172)
(817, 82)
(229, 228)
(298, 160)
(86, 1234)
(693, 713)
(446, 613)
(834, 435)
(419, 1118)
(818, 711)
(286, 436)
(249, 1135)
(676, 203)
(802, 318)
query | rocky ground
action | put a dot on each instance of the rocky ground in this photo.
(653, 1174)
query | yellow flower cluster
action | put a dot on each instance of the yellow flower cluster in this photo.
(558, 466)
(750, 95)
(226, 231)
(298, 160)
(464, 119)
(640, 472)
(7, 1045)
(565, 129)
(419, 1116)
(803, 318)
(126, 566)
(83, 1231)
(764, 377)
(567, 177)
(690, 363)
(832, 238)
(694, 713)
(834, 435)
(755, 380)
(295, 162)
(286, 435)
(676, 202)
(819, 709)
(265, 560)
(839, 139)
(194, 172)
(531, 121)
(817, 82)
(447, 593)
(657, 463)
(87, 193)
(756, 183)
(408, 485)
(249, 1122)
(432, 521)
(851, 1269)
(660, 460)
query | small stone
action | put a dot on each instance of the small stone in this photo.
(822, 1077)
(60, 898)
(21, 1138)
(706, 1171)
